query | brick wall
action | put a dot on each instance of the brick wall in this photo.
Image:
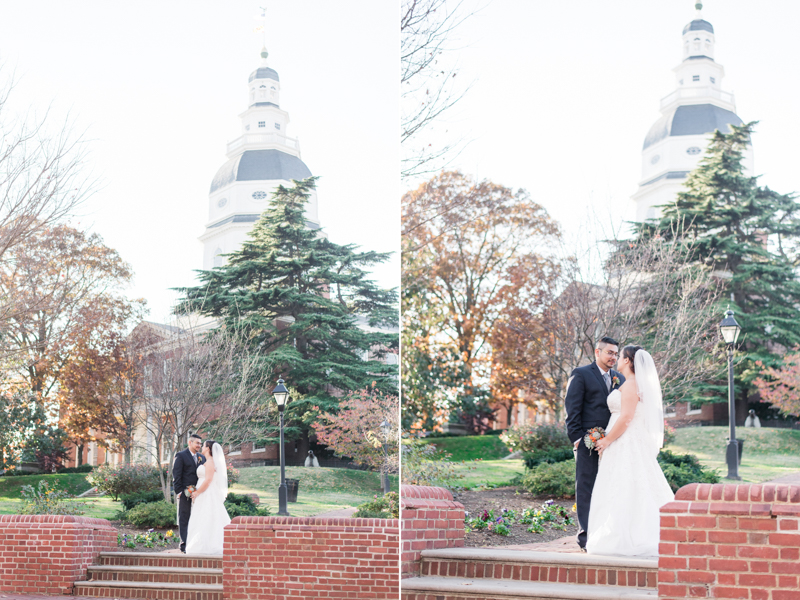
(731, 541)
(306, 557)
(47, 554)
(429, 519)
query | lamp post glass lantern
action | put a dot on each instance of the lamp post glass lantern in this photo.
(281, 395)
(730, 330)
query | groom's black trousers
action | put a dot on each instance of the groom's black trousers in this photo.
(585, 474)
(184, 512)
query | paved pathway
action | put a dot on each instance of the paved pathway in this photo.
(344, 512)
(791, 478)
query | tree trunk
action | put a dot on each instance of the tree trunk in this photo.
(79, 455)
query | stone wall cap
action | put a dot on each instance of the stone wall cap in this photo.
(550, 558)
(425, 491)
(750, 493)
(55, 520)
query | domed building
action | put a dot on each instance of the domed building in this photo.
(698, 106)
(259, 160)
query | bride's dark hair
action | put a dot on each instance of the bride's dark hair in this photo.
(210, 444)
(628, 352)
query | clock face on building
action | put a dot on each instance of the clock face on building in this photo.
(693, 150)
(655, 159)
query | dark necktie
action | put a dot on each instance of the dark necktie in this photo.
(607, 378)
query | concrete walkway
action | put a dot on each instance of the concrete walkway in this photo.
(344, 512)
(791, 479)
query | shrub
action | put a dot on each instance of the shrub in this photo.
(683, 469)
(81, 469)
(131, 500)
(47, 499)
(555, 455)
(424, 464)
(16, 473)
(669, 434)
(380, 507)
(529, 438)
(125, 479)
(239, 505)
(233, 474)
(152, 514)
(556, 479)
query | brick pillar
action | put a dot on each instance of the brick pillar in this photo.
(47, 554)
(731, 541)
(429, 518)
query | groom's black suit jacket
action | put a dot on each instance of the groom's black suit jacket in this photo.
(586, 401)
(184, 471)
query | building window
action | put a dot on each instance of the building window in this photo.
(259, 446)
(218, 260)
(655, 159)
(693, 408)
(259, 195)
(222, 202)
(669, 411)
(278, 126)
(713, 80)
(247, 127)
(262, 123)
(694, 78)
(693, 150)
(234, 449)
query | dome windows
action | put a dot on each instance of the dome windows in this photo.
(655, 159)
(222, 202)
(713, 80)
(218, 259)
(278, 126)
(262, 123)
(693, 150)
(695, 77)
(259, 195)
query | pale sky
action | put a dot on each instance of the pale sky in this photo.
(158, 87)
(563, 93)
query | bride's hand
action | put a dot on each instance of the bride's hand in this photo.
(601, 444)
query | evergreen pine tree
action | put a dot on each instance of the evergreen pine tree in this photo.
(749, 236)
(299, 297)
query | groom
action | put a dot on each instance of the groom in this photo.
(587, 407)
(184, 474)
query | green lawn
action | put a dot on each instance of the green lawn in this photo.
(74, 483)
(470, 447)
(320, 490)
(768, 453)
(490, 473)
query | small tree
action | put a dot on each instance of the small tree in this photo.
(781, 386)
(355, 430)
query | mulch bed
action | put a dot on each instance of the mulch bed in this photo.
(133, 531)
(517, 499)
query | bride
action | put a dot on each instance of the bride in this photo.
(630, 487)
(209, 517)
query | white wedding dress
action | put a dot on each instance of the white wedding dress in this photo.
(629, 490)
(209, 517)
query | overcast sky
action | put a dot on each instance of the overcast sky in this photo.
(158, 87)
(563, 93)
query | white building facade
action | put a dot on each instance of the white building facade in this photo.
(698, 106)
(259, 160)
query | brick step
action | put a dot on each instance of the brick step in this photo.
(461, 588)
(183, 575)
(148, 591)
(160, 559)
(552, 567)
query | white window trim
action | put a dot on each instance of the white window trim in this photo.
(232, 452)
(690, 411)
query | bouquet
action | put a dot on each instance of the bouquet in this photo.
(189, 491)
(594, 435)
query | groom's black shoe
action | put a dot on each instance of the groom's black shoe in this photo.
(183, 549)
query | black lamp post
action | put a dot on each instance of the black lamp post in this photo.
(281, 397)
(730, 329)
(386, 427)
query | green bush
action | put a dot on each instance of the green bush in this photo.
(554, 455)
(16, 473)
(131, 500)
(152, 514)
(81, 469)
(125, 479)
(683, 469)
(380, 507)
(239, 505)
(48, 500)
(557, 479)
(529, 438)
(424, 464)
